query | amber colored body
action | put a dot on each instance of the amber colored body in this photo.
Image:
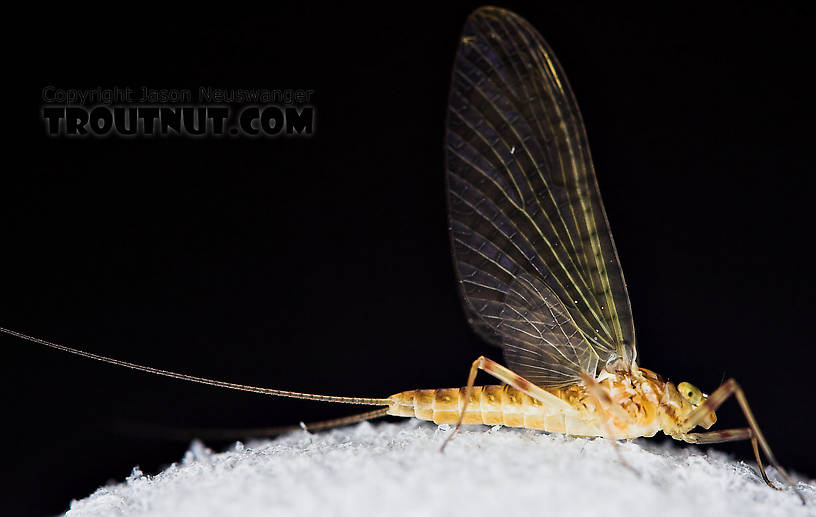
(623, 401)
(651, 403)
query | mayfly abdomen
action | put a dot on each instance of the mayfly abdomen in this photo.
(490, 405)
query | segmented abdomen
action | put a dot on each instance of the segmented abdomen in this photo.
(491, 405)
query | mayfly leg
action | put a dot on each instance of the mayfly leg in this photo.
(603, 397)
(715, 400)
(731, 435)
(513, 379)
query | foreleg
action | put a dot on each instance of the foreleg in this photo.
(714, 401)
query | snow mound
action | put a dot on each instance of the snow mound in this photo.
(396, 469)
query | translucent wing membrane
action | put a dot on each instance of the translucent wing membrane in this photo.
(540, 338)
(538, 269)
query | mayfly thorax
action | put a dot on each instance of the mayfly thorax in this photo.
(537, 267)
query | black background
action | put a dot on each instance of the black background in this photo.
(322, 264)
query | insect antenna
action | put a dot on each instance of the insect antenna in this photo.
(362, 401)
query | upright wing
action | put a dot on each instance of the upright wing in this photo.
(538, 269)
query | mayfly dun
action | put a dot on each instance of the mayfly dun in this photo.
(537, 268)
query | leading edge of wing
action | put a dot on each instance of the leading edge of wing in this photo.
(522, 193)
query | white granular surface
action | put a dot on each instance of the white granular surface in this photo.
(397, 469)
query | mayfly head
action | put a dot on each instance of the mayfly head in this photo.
(695, 397)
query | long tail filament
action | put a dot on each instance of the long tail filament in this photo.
(362, 401)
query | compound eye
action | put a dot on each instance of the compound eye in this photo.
(690, 392)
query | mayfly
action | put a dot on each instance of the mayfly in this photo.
(537, 267)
